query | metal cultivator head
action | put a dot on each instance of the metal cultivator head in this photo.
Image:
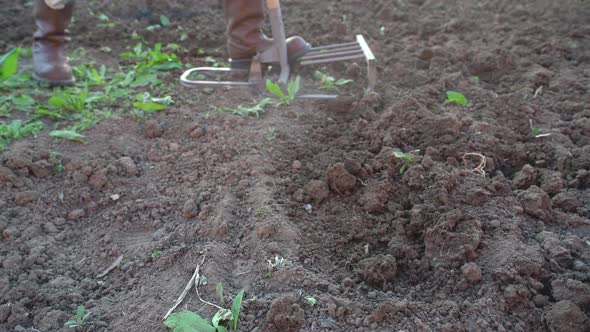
(277, 55)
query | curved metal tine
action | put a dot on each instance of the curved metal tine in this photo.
(185, 81)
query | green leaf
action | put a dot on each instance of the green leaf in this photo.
(9, 63)
(311, 300)
(145, 80)
(235, 309)
(293, 87)
(403, 169)
(67, 134)
(24, 102)
(220, 316)
(407, 156)
(149, 106)
(53, 115)
(165, 21)
(188, 321)
(79, 311)
(275, 89)
(219, 292)
(221, 329)
(457, 98)
(343, 81)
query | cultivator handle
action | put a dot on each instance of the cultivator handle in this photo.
(280, 40)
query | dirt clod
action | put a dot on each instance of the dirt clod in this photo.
(285, 315)
(190, 209)
(318, 190)
(152, 129)
(471, 272)
(76, 214)
(565, 316)
(340, 180)
(26, 197)
(378, 271)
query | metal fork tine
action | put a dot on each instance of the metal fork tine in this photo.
(343, 49)
(333, 46)
(332, 54)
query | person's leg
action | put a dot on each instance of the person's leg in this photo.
(244, 21)
(50, 60)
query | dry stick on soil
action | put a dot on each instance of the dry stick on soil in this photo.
(186, 288)
(480, 168)
(110, 268)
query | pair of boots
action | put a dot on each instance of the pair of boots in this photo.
(244, 19)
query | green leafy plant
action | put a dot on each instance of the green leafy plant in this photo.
(67, 134)
(262, 212)
(329, 82)
(311, 300)
(271, 134)
(68, 100)
(147, 103)
(408, 157)
(224, 320)
(79, 320)
(285, 98)
(9, 63)
(256, 110)
(457, 98)
(276, 265)
(156, 253)
(17, 129)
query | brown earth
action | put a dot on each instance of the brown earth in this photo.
(439, 248)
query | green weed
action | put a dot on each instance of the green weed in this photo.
(255, 110)
(17, 129)
(311, 300)
(287, 98)
(329, 82)
(408, 157)
(9, 63)
(67, 134)
(457, 98)
(155, 254)
(262, 212)
(225, 320)
(79, 320)
(271, 134)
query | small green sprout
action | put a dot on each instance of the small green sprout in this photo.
(329, 82)
(457, 98)
(262, 212)
(79, 320)
(285, 98)
(255, 110)
(271, 134)
(408, 157)
(156, 253)
(311, 300)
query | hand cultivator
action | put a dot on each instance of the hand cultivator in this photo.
(276, 57)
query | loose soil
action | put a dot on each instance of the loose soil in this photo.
(439, 248)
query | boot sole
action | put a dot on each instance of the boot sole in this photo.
(54, 83)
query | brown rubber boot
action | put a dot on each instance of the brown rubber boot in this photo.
(50, 61)
(244, 19)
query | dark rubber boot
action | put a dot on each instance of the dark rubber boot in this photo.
(244, 19)
(50, 61)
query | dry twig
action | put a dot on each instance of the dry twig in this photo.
(110, 268)
(480, 168)
(194, 279)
